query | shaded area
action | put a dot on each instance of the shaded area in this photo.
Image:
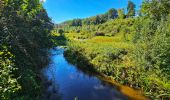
(59, 40)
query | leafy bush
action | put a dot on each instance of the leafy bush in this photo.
(24, 40)
(8, 84)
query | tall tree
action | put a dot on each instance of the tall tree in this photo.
(112, 13)
(131, 9)
(121, 13)
(24, 32)
(76, 22)
(156, 9)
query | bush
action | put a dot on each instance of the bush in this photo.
(99, 34)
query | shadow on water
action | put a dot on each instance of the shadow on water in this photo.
(82, 62)
(63, 81)
(50, 89)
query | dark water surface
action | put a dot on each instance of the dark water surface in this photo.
(66, 82)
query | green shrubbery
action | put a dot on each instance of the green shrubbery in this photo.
(8, 84)
(152, 56)
(110, 28)
(24, 41)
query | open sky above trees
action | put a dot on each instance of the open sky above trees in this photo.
(62, 10)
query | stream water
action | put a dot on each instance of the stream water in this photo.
(66, 82)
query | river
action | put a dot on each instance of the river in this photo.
(66, 82)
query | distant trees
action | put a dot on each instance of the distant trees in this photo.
(121, 13)
(76, 22)
(131, 9)
(102, 18)
(86, 22)
(112, 13)
(96, 20)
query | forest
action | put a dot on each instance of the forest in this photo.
(129, 46)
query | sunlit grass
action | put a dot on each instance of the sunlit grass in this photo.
(102, 39)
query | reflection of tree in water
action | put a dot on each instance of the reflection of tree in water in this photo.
(93, 86)
(51, 88)
(117, 94)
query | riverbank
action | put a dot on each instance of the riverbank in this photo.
(112, 59)
(63, 80)
(77, 58)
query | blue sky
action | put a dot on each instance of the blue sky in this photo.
(62, 10)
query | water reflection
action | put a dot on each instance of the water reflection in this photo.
(69, 83)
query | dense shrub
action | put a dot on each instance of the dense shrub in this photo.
(8, 84)
(99, 34)
(24, 40)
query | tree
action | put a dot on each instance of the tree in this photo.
(121, 13)
(112, 13)
(76, 22)
(95, 20)
(86, 21)
(131, 9)
(104, 17)
(61, 31)
(24, 34)
(156, 9)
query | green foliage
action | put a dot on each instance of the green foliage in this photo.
(58, 39)
(8, 84)
(127, 49)
(131, 9)
(121, 13)
(124, 27)
(152, 50)
(112, 13)
(61, 31)
(153, 53)
(24, 38)
(94, 20)
(156, 9)
(76, 22)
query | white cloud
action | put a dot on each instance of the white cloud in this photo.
(43, 0)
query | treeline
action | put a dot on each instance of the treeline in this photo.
(24, 41)
(99, 19)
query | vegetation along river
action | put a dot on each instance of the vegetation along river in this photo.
(64, 81)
